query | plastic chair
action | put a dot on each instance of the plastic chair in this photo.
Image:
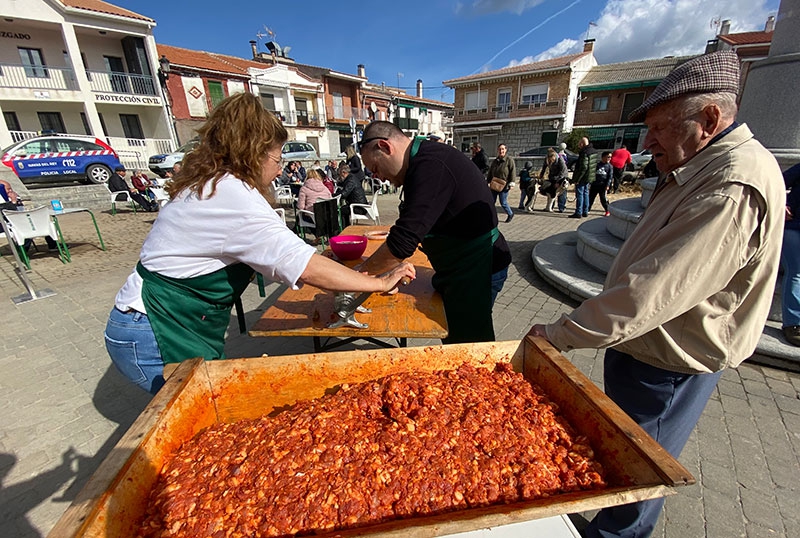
(381, 187)
(161, 196)
(284, 195)
(30, 224)
(371, 210)
(115, 198)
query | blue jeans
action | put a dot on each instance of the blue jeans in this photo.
(582, 199)
(498, 279)
(562, 201)
(503, 201)
(133, 349)
(790, 260)
(524, 196)
(667, 405)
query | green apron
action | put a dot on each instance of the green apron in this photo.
(463, 275)
(189, 316)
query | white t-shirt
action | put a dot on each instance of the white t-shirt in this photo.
(195, 236)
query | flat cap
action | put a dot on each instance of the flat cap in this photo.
(119, 168)
(716, 72)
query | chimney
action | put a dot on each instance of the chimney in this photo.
(419, 87)
(362, 72)
(725, 28)
(711, 45)
(588, 45)
(383, 86)
(254, 49)
(770, 26)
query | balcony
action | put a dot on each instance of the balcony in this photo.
(339, 113)
(511, 111)
(407, 124)
(114, 82)
(37, 77)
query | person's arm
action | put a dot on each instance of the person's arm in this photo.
(689, 270)
(327, 274)
(381, 261)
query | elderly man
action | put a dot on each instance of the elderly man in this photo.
(583, 176)
(449, 210)
(689, 291)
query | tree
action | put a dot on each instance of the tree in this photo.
(574, 137)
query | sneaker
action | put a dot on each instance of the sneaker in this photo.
(575, 216)
(792, 334)
(606, 214)
(585, 215)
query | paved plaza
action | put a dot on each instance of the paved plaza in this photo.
(64, 406)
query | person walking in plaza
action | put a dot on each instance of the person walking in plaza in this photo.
(503, 167)
(554, 180)
(620, 159)
(525, 181)
(448, 210)
(790, 259)
(603, 175)
(117, 183)
(206, 245)
(479, 158)
(356, 167)
(689, 291)
(584, 174)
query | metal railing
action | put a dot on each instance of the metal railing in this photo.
(19, 136)
(103, 81)
(134, 153)
(345, 113)
(37, 77)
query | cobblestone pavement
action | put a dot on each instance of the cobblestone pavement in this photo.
(64, 406)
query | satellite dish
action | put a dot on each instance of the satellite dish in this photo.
(286, 51)
(373, 107)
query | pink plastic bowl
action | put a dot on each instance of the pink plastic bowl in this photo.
(348, 247)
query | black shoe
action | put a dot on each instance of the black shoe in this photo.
(511, 216)
(585, 215)
(575, 216)
(792, 334)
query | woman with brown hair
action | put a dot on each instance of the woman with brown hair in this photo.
(203, 249)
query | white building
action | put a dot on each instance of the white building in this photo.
(82, 67)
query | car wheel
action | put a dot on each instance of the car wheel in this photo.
(98, 173)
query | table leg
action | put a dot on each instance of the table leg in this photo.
(96, 229)
(317, 344)
(402, 342)
(63, 250)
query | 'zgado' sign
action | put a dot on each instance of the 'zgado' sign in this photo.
(130, 99)
(14, 35)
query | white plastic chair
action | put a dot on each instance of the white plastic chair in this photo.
(30, 224)
(284, 195)
(371, 210)
(160, 194)
(126, 197)
(380, 186)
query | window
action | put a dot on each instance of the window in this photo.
(33, 61)
(132, 128)
(12, 122)
(338, 105)
(51, 122)
(71, 144)
(504, 100)
(476, 100)
(116, 70)
(36, 146)
(301, 105)
(85, 121)
(268, 101)
(632, 101)
(102, 124)
(215, 92)
(467, 141)
(534, 93)
(600, 104)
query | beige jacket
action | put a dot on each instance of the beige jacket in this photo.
(691, 288)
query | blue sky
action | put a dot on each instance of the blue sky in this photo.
(436, 40)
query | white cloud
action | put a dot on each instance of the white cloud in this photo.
(638, 29)
(497, 6)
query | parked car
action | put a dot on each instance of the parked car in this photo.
(61, 158)
(640, 160)
(294, 150)
(159, 164)
(541, 151)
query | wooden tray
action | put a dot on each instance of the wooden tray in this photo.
(201, 393)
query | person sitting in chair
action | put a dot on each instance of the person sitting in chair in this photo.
(117, 183)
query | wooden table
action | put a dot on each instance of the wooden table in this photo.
(416, 311)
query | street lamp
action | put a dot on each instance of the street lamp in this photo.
(163, 76)
(163, 70)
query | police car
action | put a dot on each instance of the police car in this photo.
(55, 158)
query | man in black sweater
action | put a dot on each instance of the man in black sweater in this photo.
(449, 210)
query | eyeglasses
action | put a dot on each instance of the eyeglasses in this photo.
(368, 140)
(276, 160)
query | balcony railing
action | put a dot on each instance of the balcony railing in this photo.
(19, 136)
(37, 77)
(515, 110)
(345, 113)
(300, 118)
(135, 152)
(103, 81)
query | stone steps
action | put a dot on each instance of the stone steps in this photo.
(576, 263)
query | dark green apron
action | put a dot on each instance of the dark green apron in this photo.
(189, 316)
(463, 275)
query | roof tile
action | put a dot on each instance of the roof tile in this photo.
(638, 71)
(552, 63)
(104, 7)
